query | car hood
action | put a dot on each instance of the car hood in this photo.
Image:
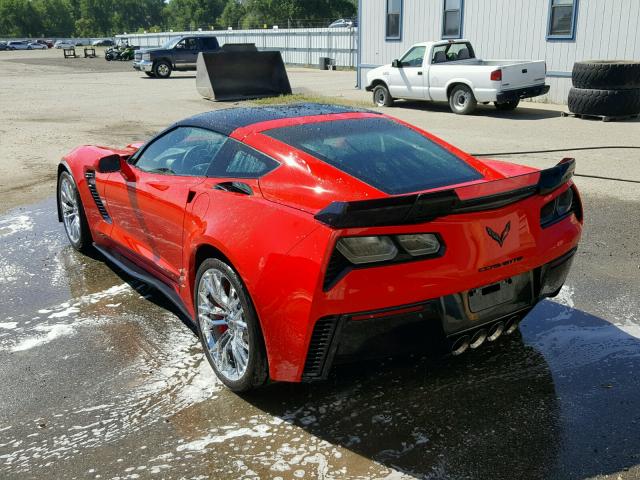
(377, 72)
(152, 50)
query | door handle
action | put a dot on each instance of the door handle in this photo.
(419, 73)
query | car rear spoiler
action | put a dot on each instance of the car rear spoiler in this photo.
(425, 207)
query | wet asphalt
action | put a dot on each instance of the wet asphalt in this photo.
(99, 378)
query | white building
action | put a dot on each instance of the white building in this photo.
(557, 31)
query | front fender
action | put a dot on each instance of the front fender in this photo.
(375, 76)
(62, 166)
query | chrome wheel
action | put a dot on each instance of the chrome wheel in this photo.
(70, 209)
(223, 324)
(163, 70)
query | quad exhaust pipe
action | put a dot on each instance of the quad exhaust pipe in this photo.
(511, 325)
(460, 345)
(482, 335)
(495, 331)
(478, 338)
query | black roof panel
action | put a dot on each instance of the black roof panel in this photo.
(229, 119)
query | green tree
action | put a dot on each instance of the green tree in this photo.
(131, 15)
(233, 13)
(95, 17)
(19, 18)
(86, 27)
(295, 13)
(57, 17)
(191, 14)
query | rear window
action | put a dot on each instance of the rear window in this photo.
(210, 43)
(380, 152)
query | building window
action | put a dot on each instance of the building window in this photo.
(562, 19)
(452, 19)
(394, 20)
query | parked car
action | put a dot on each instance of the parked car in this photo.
(448, 71)
(47, 43)
(3, 46)
(344, 23)
(64, 44)
(36, 46)
(18, 45)
(103, 43)
(79, 43)
(178, 54)
(294, 235)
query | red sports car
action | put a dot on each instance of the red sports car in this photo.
(296, 236)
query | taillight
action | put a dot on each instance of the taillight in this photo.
(496, 76)
(358, 252)
(558, 208)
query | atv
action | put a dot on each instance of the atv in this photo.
(123, 52)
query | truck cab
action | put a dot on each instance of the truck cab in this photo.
(448, 71)
(178, 54)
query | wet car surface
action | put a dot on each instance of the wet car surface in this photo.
(101, 378)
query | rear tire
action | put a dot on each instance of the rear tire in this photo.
(608, 103)
(507, 106)
(228, 327)
(462, 101)
(382, 96)
(73, 217)
(162, 69)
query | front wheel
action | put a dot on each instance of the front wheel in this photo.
(162, 69)
(382, 97)
(462, 101)
(228, 327)
(507, 106)
(72, 212)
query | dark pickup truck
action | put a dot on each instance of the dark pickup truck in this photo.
(179, 54)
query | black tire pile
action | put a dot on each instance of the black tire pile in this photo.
(605, 88)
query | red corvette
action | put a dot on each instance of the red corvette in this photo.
(296, 236)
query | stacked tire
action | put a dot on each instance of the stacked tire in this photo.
(605, 88)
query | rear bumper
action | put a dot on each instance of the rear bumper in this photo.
(436, 324)
(520, 93)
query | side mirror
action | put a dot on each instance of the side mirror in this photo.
(109, 164)
(115, 163)
(396, 64)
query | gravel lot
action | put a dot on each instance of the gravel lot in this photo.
(101, 379)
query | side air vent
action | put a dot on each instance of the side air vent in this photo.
(91, 183)
(319, 348)
(336, 269)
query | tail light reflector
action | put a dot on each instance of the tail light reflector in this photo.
(496, 76)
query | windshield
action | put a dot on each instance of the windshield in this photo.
(171, 42)
(388, 156)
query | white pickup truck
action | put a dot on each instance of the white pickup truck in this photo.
(448, 71)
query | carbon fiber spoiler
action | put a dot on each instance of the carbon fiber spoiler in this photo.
(425, 207)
